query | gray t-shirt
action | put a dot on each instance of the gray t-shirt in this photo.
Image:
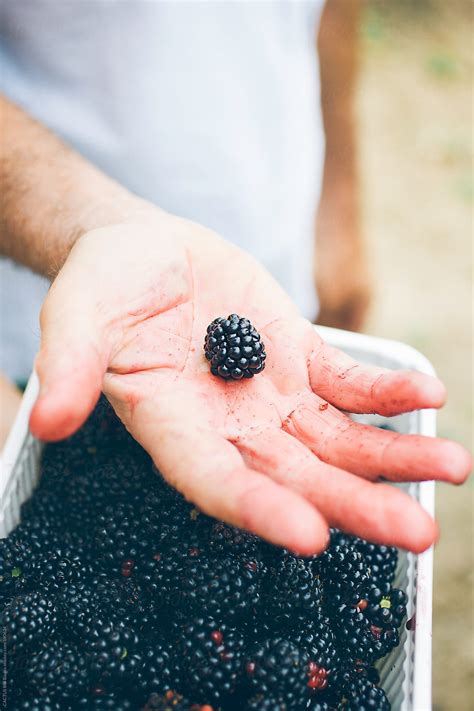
(208, 109)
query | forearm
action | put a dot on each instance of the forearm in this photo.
(337, 44)
(50, 195)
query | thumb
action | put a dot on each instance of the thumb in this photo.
(70, 364)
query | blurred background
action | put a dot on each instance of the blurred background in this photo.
(415, 131)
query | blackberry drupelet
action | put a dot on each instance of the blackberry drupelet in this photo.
(234, 348)
(292, 587)
(278, 667)
(211, 656)
(29, 619)
(58, 670)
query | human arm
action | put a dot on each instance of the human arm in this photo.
(126, 315)
(342, 272)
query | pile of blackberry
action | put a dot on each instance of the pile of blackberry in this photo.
(116, 593)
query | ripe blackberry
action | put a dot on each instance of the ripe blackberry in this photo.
(292, 587)
(104, 702)
(227, 587)
(161, 668)
(167, 519)
(359, 639)
(58, 670)
(53, 570)
(316, 638)
(224, 538)
(114, 653)
(211, 657)
(381, 560)
(278, 667)
(119, 539)
(260, 702)
(169, 701)
(386, 606)
(29, 619)
(345, 575)
(38, 703)
(15, 564)
(234, 348)
(362, 695)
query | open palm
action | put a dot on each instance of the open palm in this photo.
(275, 454)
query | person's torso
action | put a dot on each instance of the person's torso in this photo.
(209, 109)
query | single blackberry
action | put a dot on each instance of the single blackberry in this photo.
(167, 519)
(316, 638)
(260, 702)
(38, 703)
(381, 560)
(15, 564)
(386, 606)
(234, 348)
(292, 587)
(211, 656)
(40, 535)
(55, 569)
(345, 576)
(187, 580)
(278, 667)
(119, 539)
(29, 619)
(362, 695)
(169, 701)
(224, 538)
(104, 702)
(227, 586)
(161, 668)
(358, 639)
(58, 670)
(114, 654)
(102, 602)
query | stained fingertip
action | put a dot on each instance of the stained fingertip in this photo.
(295, 525)
(432, 390)
(455, 462)
(415, 529)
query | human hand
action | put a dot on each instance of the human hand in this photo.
(128, 314)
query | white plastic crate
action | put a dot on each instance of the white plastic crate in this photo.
(406, 672)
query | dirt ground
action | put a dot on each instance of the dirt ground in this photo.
(416, 159)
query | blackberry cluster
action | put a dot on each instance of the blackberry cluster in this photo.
(234, 348)
(116, 593)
